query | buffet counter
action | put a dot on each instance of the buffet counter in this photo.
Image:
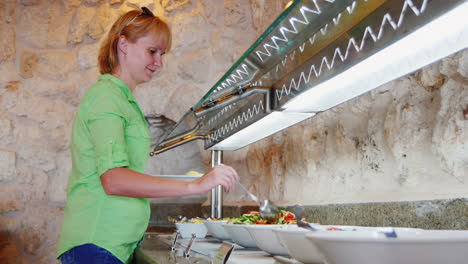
(156, 248)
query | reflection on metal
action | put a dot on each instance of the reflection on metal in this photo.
(240, 76)
(229, 99)
(366, 39)
(310, 43)
(292, 29)
(217, 192)
(285, 34)
(173, 142)
(235, 124)
(327, 33)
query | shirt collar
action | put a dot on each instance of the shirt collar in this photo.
(123, 87)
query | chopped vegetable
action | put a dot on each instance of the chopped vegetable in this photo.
(255, 218)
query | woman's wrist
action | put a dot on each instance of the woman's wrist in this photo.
(193, 187)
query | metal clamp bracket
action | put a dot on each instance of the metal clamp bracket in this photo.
(189, 246)
(173, 247)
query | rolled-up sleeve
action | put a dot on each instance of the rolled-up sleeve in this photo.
(107, 132)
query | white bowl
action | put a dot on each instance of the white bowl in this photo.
(186, 230)
(409, 247)
(266, 240)
(216, 229)
(294, 240)
(240, 235)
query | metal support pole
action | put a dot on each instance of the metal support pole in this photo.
(216, 192)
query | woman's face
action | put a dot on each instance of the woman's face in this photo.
(144, 58)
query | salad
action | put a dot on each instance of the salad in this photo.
(255, 218)
(184, 220)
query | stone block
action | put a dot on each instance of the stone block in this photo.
(11, 199)
(213, 10)
(195, 66)
(66, 91)
(100, 22)
(93, 2)
(78, 28)
(191, 32)
(8, 73)
(43, 26)
(430, 78)
(58, 180)
(29, 2)
(87, 57)
(139, 2)
(5, 130)
(463, 63)
(56, 64)
(264, 13)
(89, 21)
(7, 165)
(449, 65)
(116, 2)
(450, 140)
(236, 13)
(70, 5)
(7, 27)
(28, 64)
(9, 251)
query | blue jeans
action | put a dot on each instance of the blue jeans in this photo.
(88, 254)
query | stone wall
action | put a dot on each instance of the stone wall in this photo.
(407, 140)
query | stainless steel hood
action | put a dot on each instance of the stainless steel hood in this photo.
(318, 54)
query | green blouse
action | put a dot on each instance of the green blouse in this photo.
(109, 131)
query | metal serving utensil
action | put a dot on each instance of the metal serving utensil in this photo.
(267, 207)
(298, 210)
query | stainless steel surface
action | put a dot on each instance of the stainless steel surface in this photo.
(156, 247)
(179, 177)
(251, 195)
(268, 209)
(217, 192)
(285, 260)
(189, 246)
(298, 210)
(174, 242)
(306, 225)
(309, 43)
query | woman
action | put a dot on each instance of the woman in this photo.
(107, 211)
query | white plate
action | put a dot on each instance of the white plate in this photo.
(266, 240)
(409, 247)
(240, 235)
(216, 229)
(294, 240)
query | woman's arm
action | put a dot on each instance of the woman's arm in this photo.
(126, 182)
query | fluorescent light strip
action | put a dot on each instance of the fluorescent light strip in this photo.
(438, 39)
(266, 126)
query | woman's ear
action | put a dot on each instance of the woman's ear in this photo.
(122, 45)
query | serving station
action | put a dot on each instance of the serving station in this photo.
(316, 55)
(157, 248)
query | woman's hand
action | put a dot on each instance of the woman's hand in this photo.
(222, 175)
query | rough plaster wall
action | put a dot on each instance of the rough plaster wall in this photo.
(406, 140)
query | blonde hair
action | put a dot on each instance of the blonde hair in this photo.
(133, 25)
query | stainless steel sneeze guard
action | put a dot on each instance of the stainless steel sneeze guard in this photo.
(309, 44)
